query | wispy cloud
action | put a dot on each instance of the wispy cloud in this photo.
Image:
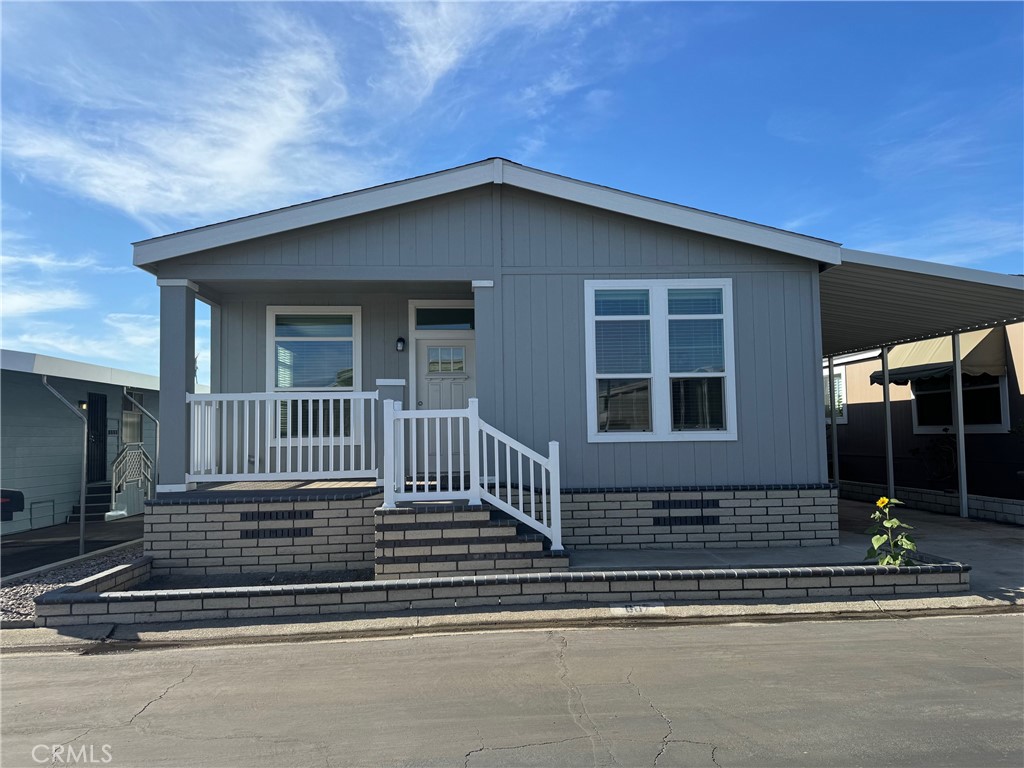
(129, 340)
(948, 146)
(33, 298)
(962, 239)
(227, 135)
(292, 106)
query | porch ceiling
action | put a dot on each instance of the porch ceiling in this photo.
(872, 300)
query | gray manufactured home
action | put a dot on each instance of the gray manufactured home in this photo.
(41, 442)
(607, 369)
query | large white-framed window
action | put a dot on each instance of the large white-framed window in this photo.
(313, 349)
(986, 404)
(840, 394)
(660, 360)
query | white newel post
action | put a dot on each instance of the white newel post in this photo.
(389, 453)
(556, 497)
(475, 486)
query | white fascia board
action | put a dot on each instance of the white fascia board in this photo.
(312, 213)
(44, 365)
(932, 269)
(670, 213)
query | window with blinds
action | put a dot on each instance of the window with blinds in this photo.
(660, 359)
(313, 348)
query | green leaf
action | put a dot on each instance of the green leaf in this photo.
(878, 541)
(890, 523)
(909, 545)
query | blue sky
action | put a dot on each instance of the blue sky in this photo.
(888, 127)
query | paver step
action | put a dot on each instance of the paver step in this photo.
(544, 554)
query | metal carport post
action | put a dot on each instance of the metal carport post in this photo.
(958, 414)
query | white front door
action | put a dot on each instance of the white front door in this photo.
(445, 380)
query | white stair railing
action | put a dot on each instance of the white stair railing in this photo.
(283, 435)
(132, 466)
(432, 455)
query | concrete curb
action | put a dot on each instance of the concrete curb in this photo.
(110, 638)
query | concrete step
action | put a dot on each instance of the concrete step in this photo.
(422, 540)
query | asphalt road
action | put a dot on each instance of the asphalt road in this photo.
(927, 692)
(32, 549)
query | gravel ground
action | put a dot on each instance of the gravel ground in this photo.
(16, 597)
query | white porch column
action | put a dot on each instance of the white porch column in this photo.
(889, 473)
(958, 415)
(177, 378)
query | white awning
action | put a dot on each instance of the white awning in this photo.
(872, 300)
(981, 352)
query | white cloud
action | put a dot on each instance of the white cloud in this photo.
(432, 40)
(129, 340)
(962, 239)
(22, 300)
(227, 135)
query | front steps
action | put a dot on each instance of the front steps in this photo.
(97, 503)
(427, 540)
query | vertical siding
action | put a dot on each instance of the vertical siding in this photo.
(451, 230)
(40, 445)
(384, 314)
(530, 326)
(777, 409)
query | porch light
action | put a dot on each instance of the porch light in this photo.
(400, 344)
(83, 405)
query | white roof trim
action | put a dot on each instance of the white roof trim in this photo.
(43, 365)
(494, 171)
(670, 213)
(932, 268)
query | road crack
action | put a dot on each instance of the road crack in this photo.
(167, 690)
(667, 738)
(520, 746)
(575, 704)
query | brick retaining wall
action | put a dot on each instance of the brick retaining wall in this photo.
(978, 507)
(196, 539)
(695, 518)
(62, 608)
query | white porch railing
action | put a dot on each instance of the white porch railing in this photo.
(283, 435)
(437, 454)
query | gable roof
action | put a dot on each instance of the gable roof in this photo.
(491, 171)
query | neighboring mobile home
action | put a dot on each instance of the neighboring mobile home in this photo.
(647, 375)
(41, 442)
(924, 431)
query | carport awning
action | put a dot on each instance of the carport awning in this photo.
(872, 300)
(980, 352)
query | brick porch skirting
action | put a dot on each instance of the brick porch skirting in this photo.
(700, 517)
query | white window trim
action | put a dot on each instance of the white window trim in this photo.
(969, 429)
(661, 416)
(841, 372)
(357, 374)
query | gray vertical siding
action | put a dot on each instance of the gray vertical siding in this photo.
(530, 325)
(41, 443)
(385, 317)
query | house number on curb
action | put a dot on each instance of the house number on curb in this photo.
(637, 609)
